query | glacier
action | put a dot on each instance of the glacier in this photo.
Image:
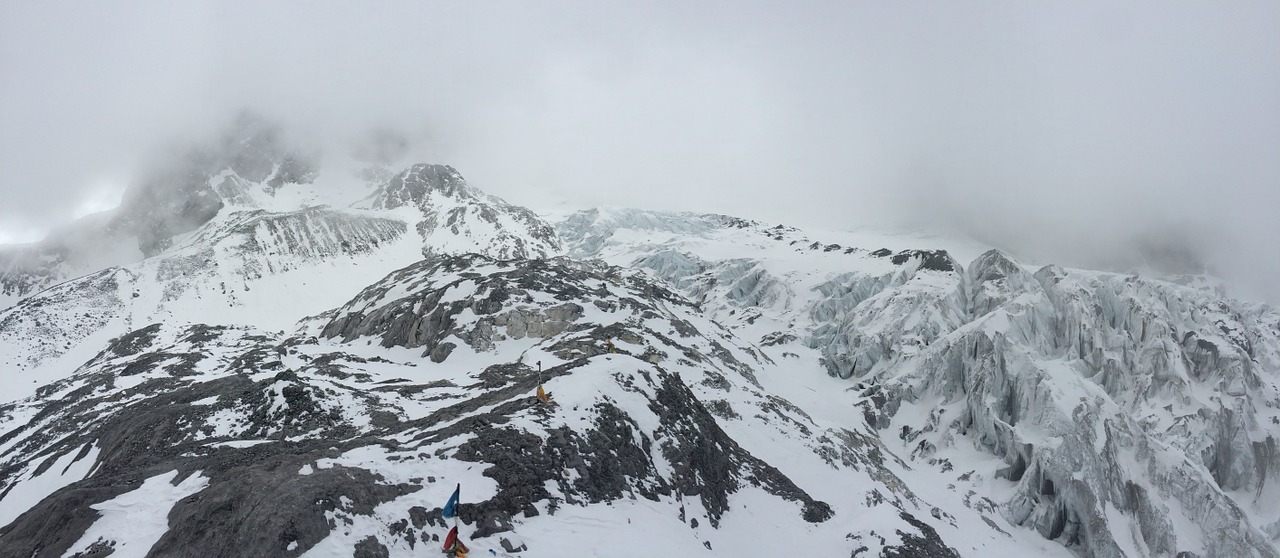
(285, 373)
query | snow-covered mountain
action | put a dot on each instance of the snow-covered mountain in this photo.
(244, 167)
(457, 217)
(259, 370)
(1132, 416)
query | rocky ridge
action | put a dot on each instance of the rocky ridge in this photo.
(457, 217)
(872, 393)
(289, 436)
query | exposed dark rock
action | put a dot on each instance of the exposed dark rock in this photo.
(411, 186)
(925, 544)
(32, 534)
(442, 351)
(708, 463)
(131, 343)
(369, 547)
(199, 334)
(253, 508)
(776, 338)
(509, 547)
(936, 260)
(418, 515)
(428, 315)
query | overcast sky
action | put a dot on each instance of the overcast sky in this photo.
(1069, 132)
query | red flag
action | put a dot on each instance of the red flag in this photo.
(453, 544)
(451, 540)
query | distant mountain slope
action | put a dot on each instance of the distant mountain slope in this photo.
(224, 365)
(245, 167)
(247, 267)
(458, 218)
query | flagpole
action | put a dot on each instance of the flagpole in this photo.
(451, 509)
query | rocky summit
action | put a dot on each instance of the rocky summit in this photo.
(256, 374)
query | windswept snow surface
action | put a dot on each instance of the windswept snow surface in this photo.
(132, 522)
(62, 471)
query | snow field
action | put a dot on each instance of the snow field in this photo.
(132, 522)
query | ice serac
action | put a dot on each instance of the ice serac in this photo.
(458, 218)
(587, 233)
(669, 246)
(861, 319)
(1133, 416)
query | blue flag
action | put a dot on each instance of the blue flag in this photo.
(451, 507)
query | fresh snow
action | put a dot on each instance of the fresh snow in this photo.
(787, 302)
(132, 522)
(65, 470)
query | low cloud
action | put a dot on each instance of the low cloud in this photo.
(1132, 136)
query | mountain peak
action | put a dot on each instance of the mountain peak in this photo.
(627, 367)
(250, 161)
(414, 184)
(459, 218)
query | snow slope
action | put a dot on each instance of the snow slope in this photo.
(1177, 383)
(457, 217)
(366, 418)
(269, 370)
